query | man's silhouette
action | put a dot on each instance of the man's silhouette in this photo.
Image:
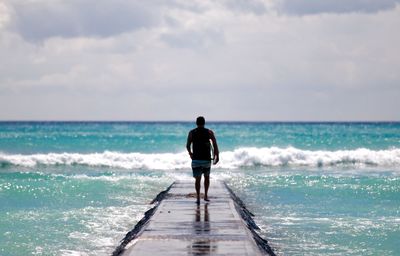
(198, 145)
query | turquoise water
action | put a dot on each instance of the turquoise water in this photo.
(316, 188)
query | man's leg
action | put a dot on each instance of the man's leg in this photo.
(206, 186)
(197, 186)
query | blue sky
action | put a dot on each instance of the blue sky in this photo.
(272, 60)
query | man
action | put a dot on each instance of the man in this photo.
(200, 153)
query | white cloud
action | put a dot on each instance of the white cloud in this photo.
(4, 16)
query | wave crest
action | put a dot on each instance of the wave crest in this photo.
(296, 157)
(242, 157)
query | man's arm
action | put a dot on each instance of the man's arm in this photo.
(215, 145)
(188, 143)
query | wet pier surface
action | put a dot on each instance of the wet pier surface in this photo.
(179, 226)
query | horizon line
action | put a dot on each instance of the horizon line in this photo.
(192, 121)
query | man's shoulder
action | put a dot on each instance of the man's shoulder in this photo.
(201, 130)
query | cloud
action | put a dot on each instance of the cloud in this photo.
(193, 39)
(4, 15)
(198, 57)
(38, 20)
(252, 6)
(305, 7)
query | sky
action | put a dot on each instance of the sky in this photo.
(229, 60)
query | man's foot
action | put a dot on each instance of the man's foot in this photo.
(206, 198)
(198, 201)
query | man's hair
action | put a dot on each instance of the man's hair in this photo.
(200, 121)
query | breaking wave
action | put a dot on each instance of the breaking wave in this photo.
(242, 157)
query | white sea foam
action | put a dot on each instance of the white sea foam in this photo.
(107, 159)
(242, 157)
(296, 157)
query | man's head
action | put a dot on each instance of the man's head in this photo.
(200, 121)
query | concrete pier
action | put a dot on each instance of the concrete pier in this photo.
(176, 225)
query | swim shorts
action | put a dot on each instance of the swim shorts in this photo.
(200, 167)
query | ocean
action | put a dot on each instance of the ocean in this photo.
(76, 188)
